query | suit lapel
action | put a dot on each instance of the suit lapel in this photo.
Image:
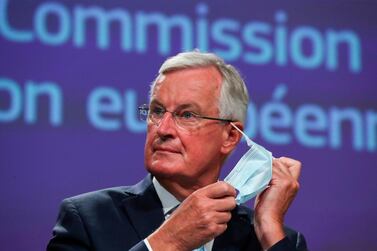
(144, 208)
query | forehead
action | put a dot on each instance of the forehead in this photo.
(196, 86)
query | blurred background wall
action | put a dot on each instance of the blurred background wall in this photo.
(72, 74)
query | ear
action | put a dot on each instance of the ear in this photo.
(231, 137)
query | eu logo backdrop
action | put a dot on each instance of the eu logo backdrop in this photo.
(72, 74)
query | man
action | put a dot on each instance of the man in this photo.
(181, 205)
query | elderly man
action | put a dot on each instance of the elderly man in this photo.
(181, 205)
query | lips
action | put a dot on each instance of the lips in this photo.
(165, 149)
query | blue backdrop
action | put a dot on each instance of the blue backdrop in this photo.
(73, 72)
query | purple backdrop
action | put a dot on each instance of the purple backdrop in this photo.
(73, 72)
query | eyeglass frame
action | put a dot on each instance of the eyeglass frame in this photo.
(146, 108)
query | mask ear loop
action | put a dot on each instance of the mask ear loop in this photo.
(249, 142)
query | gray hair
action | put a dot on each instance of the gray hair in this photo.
(234, 97)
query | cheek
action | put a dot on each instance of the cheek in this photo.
(201, 150)
(148, 143)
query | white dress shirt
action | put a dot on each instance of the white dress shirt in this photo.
(169, 202)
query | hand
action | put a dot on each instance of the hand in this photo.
(201, 217)
(272, 204)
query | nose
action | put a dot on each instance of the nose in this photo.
(167, 127)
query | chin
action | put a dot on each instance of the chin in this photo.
(162, 169)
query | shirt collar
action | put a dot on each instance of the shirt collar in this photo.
(168, 200)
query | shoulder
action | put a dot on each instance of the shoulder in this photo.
(105, 198)
(99, 196)
(94, 204)
(97, 219)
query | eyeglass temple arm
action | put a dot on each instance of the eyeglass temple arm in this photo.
(219, 119)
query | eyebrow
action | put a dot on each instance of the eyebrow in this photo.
(180, 107)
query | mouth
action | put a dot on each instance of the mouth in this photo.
(165, 150)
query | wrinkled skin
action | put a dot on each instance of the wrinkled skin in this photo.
(188, 162)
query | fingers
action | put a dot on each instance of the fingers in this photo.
(288, 166)
(216, 218)
(218, 224)
(218, 190)
(224, 204)
(223, 217)
(280, 168)
(219, 196)
(285, 173)
(222, 195)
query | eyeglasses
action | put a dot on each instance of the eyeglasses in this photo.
(185, 119)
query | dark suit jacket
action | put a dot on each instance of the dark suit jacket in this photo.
(118, 219)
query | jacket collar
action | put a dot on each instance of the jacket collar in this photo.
(143, 207)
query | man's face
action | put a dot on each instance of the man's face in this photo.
(191, 156)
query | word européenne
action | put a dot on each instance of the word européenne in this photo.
(276, 122)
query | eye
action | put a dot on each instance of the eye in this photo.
(187, 115)
(157, 111)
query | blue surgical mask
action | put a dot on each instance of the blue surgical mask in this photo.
(252, 173)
